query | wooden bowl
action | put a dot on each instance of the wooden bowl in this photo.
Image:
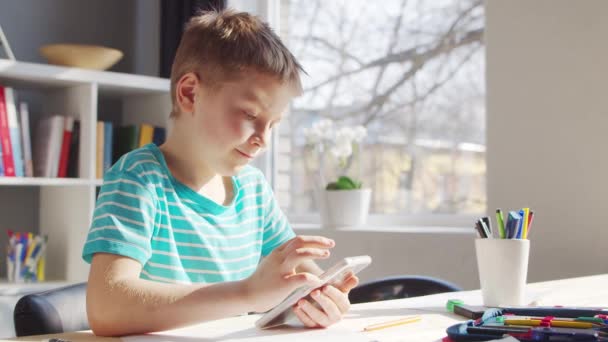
(81, 56)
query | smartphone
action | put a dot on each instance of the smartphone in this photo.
(283, 312)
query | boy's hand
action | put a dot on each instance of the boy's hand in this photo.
(276, 276)
(331, 304)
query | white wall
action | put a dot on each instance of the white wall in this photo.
(547, 67)
(449, 256)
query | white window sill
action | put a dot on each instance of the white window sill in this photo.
(389, 229)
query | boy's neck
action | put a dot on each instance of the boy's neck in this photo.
(190, 171)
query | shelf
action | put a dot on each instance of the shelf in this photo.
(40, 181)
(23, 73)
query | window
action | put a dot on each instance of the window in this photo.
(412, 73)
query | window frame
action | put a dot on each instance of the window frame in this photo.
(270, 11)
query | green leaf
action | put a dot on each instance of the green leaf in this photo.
(347, 180)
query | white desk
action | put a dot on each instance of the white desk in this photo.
(585, 291)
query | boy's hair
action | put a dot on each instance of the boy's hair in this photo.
(220, 45)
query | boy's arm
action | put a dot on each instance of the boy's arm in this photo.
(147, 306)
(120, 303)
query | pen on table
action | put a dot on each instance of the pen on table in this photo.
(500, 222)
(394, 323)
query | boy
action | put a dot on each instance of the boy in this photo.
(187, 232)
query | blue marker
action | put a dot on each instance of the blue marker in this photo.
(520, 226)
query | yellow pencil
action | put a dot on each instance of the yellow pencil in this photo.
(394, 323)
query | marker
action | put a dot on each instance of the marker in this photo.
(500, 221)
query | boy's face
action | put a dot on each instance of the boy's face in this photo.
(233, 123)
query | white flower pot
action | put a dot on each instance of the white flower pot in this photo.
(345, 208)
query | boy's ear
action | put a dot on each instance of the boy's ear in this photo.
(185, 92)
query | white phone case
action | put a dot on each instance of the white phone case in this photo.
(281, 313)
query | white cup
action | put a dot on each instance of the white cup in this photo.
(503, 268)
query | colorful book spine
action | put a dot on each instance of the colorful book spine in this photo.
(15, 132)
(108, 131)
(73, 157)
(65, 147)
(24, 114)
(1, 163)
(159, 136)
(5, 137)
(99, 150)
(145, 134)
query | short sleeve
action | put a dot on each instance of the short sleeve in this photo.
(123, 219)
(277, 229)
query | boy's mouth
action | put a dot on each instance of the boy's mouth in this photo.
(248, 156)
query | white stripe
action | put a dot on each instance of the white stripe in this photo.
(128, 207)
(200, 258)
(153, 172)
(211, 236)
(194, 270)
(143, 153)
(248, 196)
(141, 198)
(122, 218)
(275, 235)
(122, 180)
(153, 161)
(208, 225)
(146, 252)
(200, 245)
(167, 280)
(245, 175)
(137, 235)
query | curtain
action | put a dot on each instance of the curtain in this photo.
(174, 15)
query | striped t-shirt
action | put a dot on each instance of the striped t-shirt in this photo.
(177, 234)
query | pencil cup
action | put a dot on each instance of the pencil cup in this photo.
(503, 269)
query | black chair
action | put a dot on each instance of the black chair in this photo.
(399, 287)
(54, 311)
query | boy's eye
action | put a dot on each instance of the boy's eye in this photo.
(250, 116)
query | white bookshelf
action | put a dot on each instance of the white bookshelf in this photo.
(65, 205)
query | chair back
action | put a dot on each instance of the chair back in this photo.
(399, 287)
(54, 311)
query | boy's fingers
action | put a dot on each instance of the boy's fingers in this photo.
(304, 278)
(339, 297)
(301, 241)
(330, 308)
(348, 284)
(314, 313)
(303, 317)
(298, 256)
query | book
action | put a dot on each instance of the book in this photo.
(1, 163)
(47, 146)
(108, 131)
(68, 127)
(127, 139)
(74, 157)
(99, 150)
(14, 130)
(158, 138)
(26, 144)
(5, 137)
(145, 134)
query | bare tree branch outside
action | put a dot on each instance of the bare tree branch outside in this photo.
(412, 72)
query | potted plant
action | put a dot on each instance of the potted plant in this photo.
(343, 201)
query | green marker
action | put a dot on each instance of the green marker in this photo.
(501, 224)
